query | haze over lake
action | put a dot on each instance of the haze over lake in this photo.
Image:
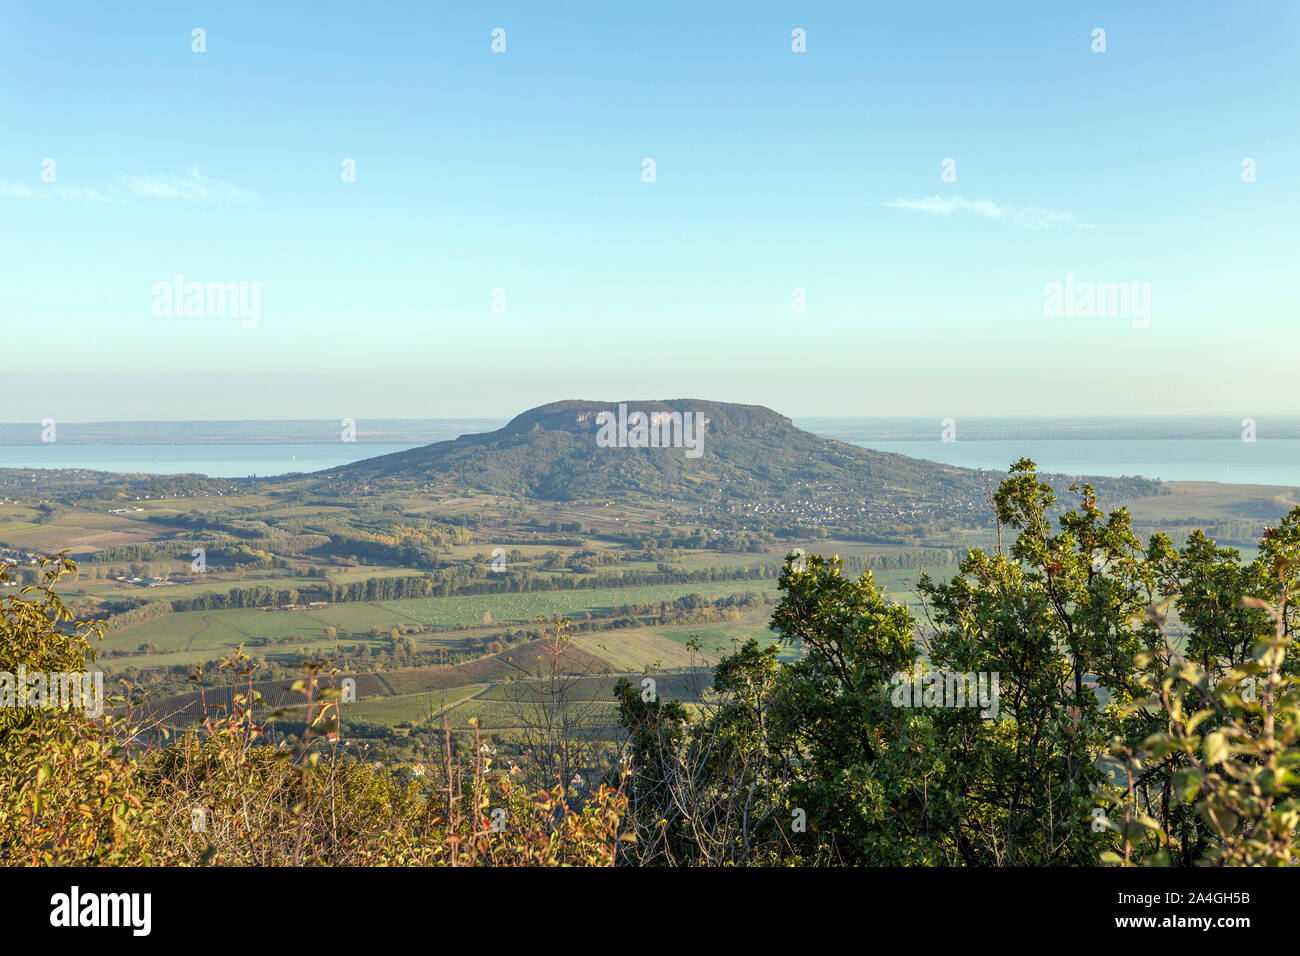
(1264, 462)
(1274, 462)
(216, 461)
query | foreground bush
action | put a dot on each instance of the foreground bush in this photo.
(87, 791)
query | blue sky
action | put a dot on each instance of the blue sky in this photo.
(522, 171)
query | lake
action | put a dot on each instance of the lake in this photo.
(1272, 462)
(217, 461)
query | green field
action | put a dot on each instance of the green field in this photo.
(192, 636)
(194, 630)
(526, 608)
(413, 707)
(504, 715)
(514, 704)
(677, 684)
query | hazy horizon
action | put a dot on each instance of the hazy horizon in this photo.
(851, 428)
(1089, 421)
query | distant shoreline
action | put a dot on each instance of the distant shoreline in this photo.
(1265, 463)
(389, 431)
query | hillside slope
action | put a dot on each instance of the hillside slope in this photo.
(748, 452)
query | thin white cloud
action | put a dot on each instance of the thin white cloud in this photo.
(193, 187)
(12, 190)
(1028, 217)
(943, 206)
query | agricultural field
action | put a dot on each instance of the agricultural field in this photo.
(901, 585)
(204, 653)
(639, 648)
(681, 684)
(1209, 500)
(508, 706)
(718, 640)
(78, 531)
(343, 575)
(527, 607)
(196, 630)
(191, 637)
(499, 715)
(413, 708)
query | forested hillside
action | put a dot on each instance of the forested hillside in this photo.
(750, 454)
